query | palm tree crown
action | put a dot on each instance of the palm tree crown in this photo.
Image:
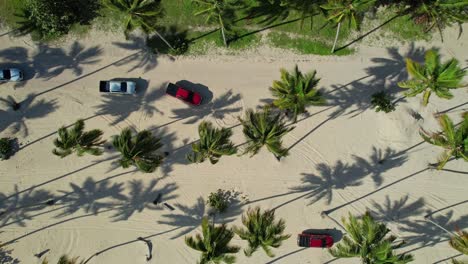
(367, 239)
(351, 10)
(295, 91)
(218, 11)
(138, 150)
(64, 259)
(263, 128)
(214, 244)
(454, 141)
(75, 139)
(213, 144)
(460, 242)
(434, 76)
(261, 231)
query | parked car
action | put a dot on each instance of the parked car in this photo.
(314, 240)
(13, 74)
(184, 94)
(120, 87)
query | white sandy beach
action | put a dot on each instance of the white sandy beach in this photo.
(333, 162)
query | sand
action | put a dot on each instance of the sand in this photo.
(344, 157)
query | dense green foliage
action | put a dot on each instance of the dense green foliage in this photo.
(433, 77)
(261, 230)
(460, 242)
(295, 91)
(75, 139)
(263, 128)
(47, 19)
(6, 148)
(381, 101)
(138, 150)
(219, 200)
(213, 243)
(213, 144)
(368, 240)
(453, 140)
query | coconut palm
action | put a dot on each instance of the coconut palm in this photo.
(213, 243)
(367, 240)
(75, 139)
(142, 14)
(460, 242)
(213, 144)
(262, 128)
(351, 10)
(138, 150)
(217, 11)
(295, 91)
(438, 13)
(64, 259)
(433, 76)
(261, 230)
(453, 140)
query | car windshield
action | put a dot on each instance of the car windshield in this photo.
(6, 74)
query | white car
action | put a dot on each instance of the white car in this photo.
(13, 75)
(122, 87)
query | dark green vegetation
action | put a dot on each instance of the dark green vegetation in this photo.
(454, 140)
(295, 91)
(261, 230)
(139, 150)
(6, 148)
(433, 77)
(309, 27)
(213, 144)
(64, 259)
(264, 128)
(381, 101)
(213, 243)
(459, 242)
(219, 200)
(367, 239)
(75, 139)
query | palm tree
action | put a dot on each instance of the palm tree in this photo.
(453, 140)
(75, 139)
(262, 128)
(141, 14)
(367, 240)
(433, 77)
(213, 144)
(64, 259)
(342, 10)
(460, 244)
(261, 231)
(138, 150)
(295, 91)
(213, 243)
(438, 14)
(218, 11)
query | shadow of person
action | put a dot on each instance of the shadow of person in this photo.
(201, 89)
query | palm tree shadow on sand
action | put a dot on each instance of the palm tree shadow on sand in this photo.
(145, 59)
(398, 210)
(29, 109)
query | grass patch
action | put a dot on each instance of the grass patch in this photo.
(403, 28)
(202, 41)
(8, 9)
(304, 45)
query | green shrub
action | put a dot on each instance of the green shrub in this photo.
(6, 147)
(381, 101)
(48, 19)
(219, 200)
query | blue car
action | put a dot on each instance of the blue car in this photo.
(12, 75)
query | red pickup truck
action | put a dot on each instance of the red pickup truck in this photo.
(315, 240)
(183, 94)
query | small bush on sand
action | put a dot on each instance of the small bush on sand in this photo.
(219, 200)
(382, 101)
(6, 147)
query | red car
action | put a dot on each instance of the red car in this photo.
(183, 94)
(314, 240)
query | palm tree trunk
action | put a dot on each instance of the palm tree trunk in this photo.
(163, 39)
(336, 37)
(224, 36)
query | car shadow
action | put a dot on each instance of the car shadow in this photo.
(201, 89)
